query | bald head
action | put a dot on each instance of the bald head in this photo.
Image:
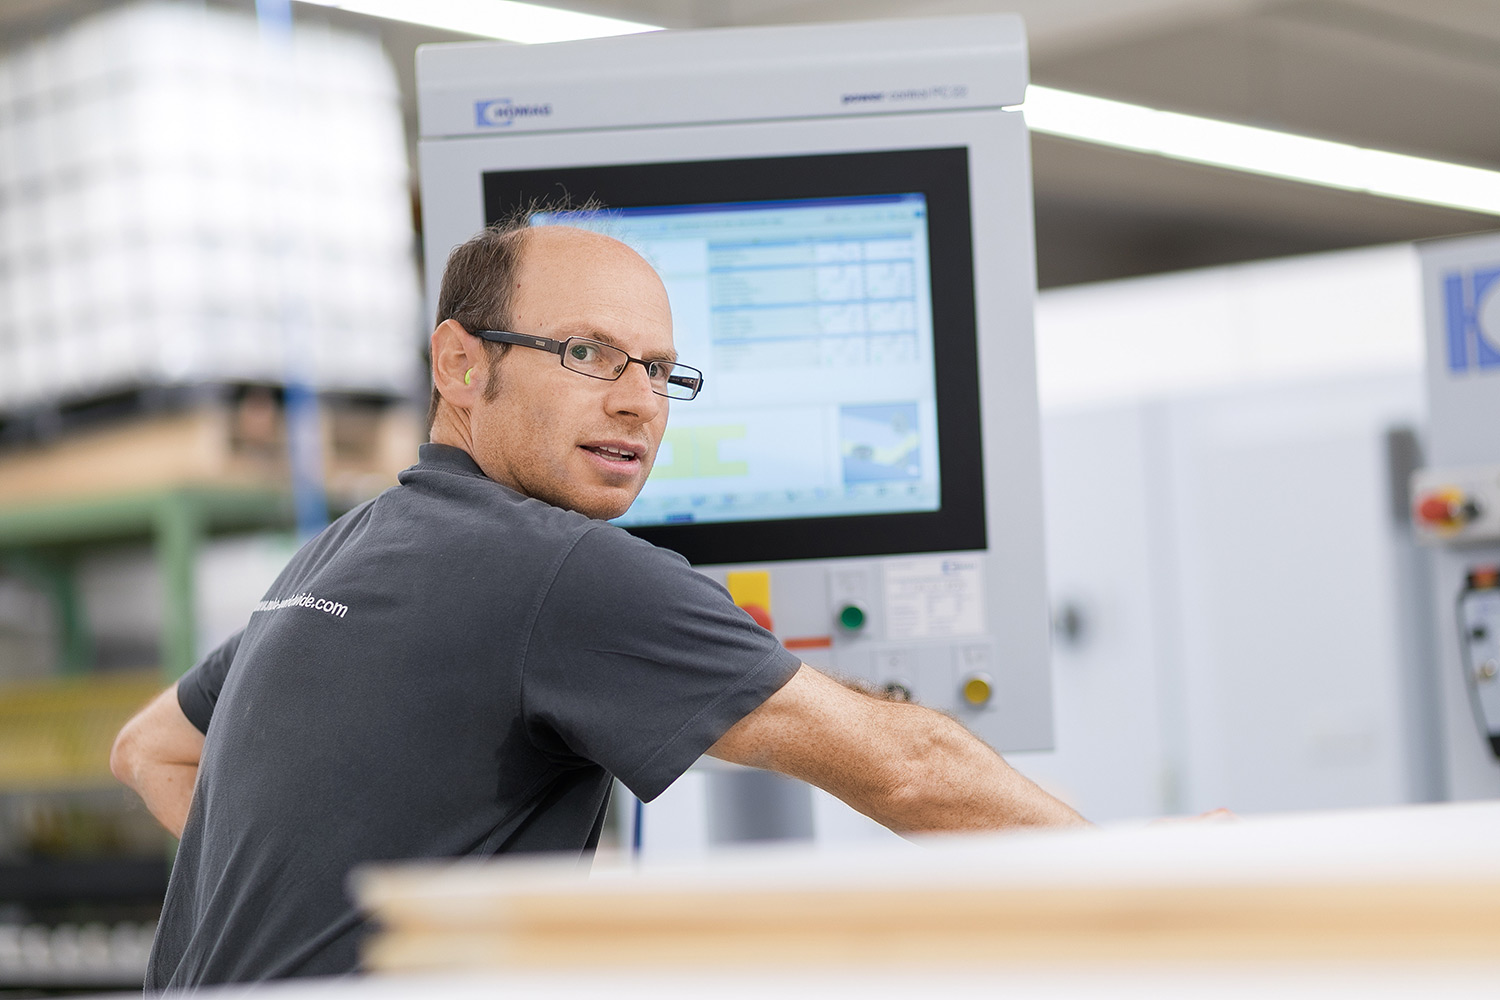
(555, 261)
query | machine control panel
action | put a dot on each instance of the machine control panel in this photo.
(1456, 506)
(907, 627)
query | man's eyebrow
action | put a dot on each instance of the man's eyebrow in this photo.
(604, 338)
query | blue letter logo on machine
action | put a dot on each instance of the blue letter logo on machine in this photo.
(504, 113)
(1472, 301)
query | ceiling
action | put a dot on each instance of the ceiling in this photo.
(1416, 77)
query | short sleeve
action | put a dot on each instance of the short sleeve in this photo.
(640, 664)
(198, 690)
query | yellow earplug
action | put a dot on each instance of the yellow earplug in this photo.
(469, 376)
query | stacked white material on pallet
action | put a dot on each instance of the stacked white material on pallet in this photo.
(183, 198)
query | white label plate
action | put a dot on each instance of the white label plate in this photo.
(934, 598)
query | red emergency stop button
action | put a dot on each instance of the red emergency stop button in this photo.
(1445, 508)
(1435, 510)
(761, 615)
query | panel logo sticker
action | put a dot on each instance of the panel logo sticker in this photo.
(504, 113)
(943, 92)
(1471, 300)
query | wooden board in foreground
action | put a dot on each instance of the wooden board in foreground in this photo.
(1399, 885)
(1233, 923)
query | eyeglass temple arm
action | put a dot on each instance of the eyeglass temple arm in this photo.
(544, 343)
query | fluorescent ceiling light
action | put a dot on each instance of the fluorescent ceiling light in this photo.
(507, 19)
(1055, 112)
(1261, 151)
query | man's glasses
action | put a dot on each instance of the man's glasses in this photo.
(596, 360)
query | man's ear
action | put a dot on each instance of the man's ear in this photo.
(458, 368)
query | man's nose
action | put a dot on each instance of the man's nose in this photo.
(633, 395)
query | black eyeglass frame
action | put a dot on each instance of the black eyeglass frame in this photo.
(560, 347)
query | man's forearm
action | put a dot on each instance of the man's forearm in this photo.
(907, 767)
(156, 755)
(950, 780)
(925, 773)
(167, 790)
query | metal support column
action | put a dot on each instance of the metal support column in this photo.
(178, 531)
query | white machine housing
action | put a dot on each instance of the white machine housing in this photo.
(964, 630)
(1461, 292)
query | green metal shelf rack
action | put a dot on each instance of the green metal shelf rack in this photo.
(42, 541)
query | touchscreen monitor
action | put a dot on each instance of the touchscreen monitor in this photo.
(829, 302)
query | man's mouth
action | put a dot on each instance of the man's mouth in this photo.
(612, 454)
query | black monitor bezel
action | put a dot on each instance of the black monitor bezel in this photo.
(941, 175)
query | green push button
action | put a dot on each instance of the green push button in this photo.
(852, 617)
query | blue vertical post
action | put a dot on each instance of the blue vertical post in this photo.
(637, 828)
(303, 424)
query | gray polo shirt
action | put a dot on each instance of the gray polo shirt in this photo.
(450, 669)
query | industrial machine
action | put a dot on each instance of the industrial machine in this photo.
(1456, 501)
(842, 217)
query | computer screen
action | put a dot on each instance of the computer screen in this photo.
(829, 302)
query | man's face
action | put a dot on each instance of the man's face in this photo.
(551, 433)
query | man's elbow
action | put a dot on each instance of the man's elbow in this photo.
(124, 755)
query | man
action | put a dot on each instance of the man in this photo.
(459, 666)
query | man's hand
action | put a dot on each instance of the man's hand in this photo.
(157, 755)
(910, 768)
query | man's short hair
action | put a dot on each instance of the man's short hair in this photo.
(479, 278)
(477, 283)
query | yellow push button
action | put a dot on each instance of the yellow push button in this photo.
(750, 587)
(978, 689)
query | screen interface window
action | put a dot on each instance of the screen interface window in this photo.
(812, 322)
